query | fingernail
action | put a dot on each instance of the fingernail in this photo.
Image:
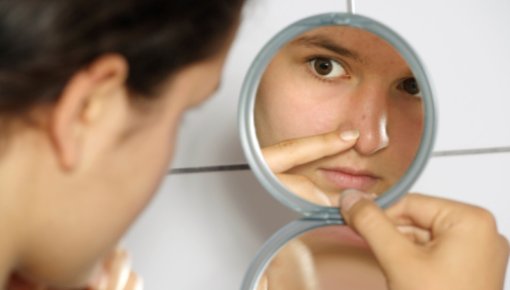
(349, 198)
(350, 135)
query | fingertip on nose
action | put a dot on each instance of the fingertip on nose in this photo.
(369, 144)
(350, 135)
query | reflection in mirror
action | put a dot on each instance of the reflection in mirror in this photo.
(326, 258)
(337, 108)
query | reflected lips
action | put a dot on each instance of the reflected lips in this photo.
(344, 178)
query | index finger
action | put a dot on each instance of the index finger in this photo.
(291, 153)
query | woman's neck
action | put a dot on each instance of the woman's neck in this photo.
(16, 180)
(7, 261)
(8, 234)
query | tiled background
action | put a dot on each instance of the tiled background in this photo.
(202, 230)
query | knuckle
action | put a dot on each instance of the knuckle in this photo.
(409, 199)
(285, 144)
(484, 217)
(505, 245)
(329, 138)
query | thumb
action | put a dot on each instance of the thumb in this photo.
(363, 215)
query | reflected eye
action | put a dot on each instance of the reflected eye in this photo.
(327, 68)
(410, 86)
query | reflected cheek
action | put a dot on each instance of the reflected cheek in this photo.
(404, 143)
(300, 117)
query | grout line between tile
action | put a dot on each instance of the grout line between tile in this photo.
(241, 167)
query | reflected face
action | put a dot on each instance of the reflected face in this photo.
(338, 79)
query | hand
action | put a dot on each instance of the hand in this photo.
(115, 274)
(446, 244)
(288, 154)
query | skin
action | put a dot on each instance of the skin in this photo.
(93, 162)
(364, 92)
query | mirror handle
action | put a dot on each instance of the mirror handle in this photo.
(351, 8)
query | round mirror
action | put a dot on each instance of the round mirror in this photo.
(325, 258)
(335, 102)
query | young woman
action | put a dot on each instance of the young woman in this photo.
(91, 95)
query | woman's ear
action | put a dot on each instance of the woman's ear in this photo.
(82, 103)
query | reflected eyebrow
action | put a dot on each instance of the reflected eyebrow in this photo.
(327, 43)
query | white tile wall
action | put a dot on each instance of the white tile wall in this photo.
(202, 229)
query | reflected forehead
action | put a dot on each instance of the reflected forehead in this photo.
(327, 42)
(361, 46)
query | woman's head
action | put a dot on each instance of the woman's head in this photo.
(340, 78)
(91, 93)
(45, 42)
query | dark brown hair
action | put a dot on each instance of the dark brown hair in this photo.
(44, 42)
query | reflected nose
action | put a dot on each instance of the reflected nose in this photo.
(369, 115)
